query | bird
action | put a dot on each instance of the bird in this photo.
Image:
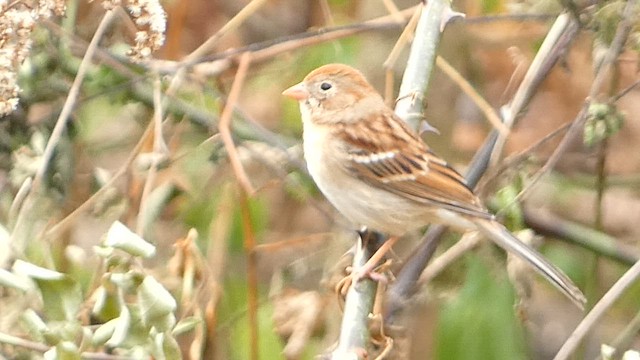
(379, 173)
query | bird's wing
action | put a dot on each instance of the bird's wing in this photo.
(390, 156)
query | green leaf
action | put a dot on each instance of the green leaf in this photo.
(36, 272)
(607, 353)
(121, 328)
(156, 304)
(480, 323)
(156, 202)
(506, 199)
(34, 325)
(165, 347)
(61, 295)
(120, 237)
(270, 344)
(603, 120)
(170, 347)
(9, 279)
(65, 350)
(104, 332)
(108, 304)
(5, 245)
(185, 325)
(128, 281)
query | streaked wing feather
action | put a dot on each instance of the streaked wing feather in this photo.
(410, 170)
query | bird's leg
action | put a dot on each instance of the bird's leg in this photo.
(367, 269)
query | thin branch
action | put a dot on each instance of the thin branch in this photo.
(235, 22)
(41, 348)
(483, 105)
(208, 45)
(468, 242)
(624, 341)
(63, 224)
(600, 243)
(225, 121)
(252, 271)
(16, 341)
(405, 38)
(72, 97)
(557, 41)
(629, 278)
(392, 8)
(513, 161)
(270, 48)
(612, 54)
(159, 149)
(616, 47)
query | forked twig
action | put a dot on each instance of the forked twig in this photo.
(224, 126)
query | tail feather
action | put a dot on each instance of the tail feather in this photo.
(503, 238)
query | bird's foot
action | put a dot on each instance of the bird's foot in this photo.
(380, 274)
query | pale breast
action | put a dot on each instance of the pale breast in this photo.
(360, 203)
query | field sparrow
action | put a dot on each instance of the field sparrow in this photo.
(379, 173)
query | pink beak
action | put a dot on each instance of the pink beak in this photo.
(297, 91)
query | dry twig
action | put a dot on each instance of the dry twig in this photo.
(224, 126)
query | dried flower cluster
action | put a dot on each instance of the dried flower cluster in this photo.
(151, 22)
(16, 24)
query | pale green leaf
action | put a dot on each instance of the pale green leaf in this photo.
(185, 325)
(156, 304)
(108, 304)
(121, 329)
(61, 295)
(36, 272)
(34, 325)
(120, 237)
(63, 351)
(155, 203)
(9, 279)
(104, 332)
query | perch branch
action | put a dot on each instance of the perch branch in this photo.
(354, 333)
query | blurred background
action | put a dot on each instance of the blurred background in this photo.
(180, 193)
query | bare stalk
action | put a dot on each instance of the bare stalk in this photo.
(70, 102)
(598, 311)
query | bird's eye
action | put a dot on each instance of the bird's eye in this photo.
(325, 86)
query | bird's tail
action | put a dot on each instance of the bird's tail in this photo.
(503, 238)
